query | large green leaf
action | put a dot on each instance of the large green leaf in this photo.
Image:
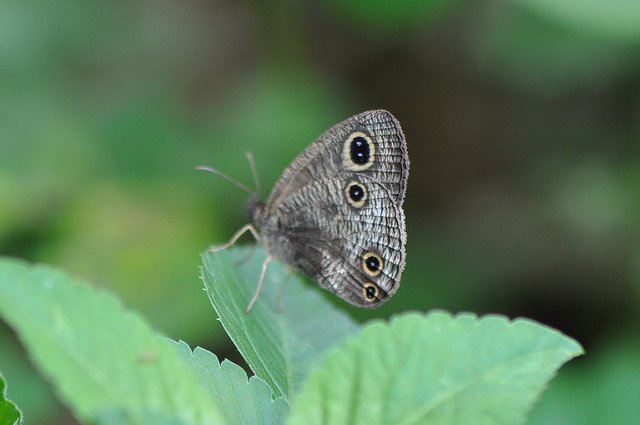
(434, 369)
(9, 413)
(242, 400)
(280, 345)
(106, 362)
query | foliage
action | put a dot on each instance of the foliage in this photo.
(435, 369)
(105, 362)
(110, 367)
(9, 413)
(606, 392)
(281, 343)
(227, 382)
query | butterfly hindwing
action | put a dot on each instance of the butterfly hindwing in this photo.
(337, 239)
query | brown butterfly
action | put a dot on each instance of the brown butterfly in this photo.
(336, 211)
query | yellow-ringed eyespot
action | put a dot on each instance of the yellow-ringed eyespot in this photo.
(359, 151)
(356, 193)
(372, 263)
(370, 291)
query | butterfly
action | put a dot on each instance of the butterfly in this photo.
(336, 211)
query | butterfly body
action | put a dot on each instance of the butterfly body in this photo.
(336, 211)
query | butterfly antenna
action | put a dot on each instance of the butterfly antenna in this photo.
(227, 178)
(254, 170)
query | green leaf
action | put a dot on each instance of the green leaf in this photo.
(104, 360)
(9, 413)
(280, 346)
(602, 390)
(33, 394)
(434, 369)
(242, 400)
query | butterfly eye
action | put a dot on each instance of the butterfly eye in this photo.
(359, 151)
(372, 264)
(370, 291)
(356, 193)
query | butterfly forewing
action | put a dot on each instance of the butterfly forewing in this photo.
(325, 156)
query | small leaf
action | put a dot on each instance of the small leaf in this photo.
(434, 369)
(241, 400)
(281, 347)
(104, 360)
(9, 413)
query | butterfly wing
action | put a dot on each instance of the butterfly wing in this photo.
(389, 163)
(336, 213)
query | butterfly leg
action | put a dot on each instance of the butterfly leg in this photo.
(257, 291)
(235, 237)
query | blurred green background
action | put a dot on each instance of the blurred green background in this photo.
(522, 119)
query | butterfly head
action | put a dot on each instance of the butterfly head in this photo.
(254, 209)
